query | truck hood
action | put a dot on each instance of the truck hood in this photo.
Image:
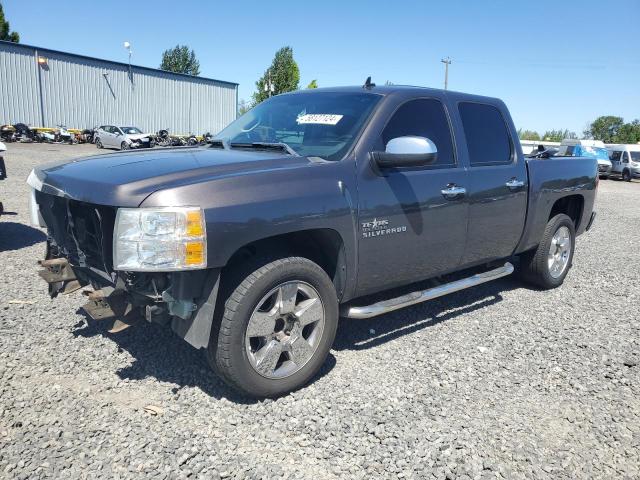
(126, 179)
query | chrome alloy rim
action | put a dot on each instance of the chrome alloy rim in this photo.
(285, 329)
(559, 252)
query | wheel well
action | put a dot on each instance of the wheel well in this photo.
(570, 206)
(323, 246)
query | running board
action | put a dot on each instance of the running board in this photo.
(386, 306)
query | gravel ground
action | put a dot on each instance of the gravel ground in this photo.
(496, 382)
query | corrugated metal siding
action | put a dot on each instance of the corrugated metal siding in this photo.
(18, 86)
(81, 92)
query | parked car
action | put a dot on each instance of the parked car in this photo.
(625, 161)
(587, 148)
(3, 170)
(124, 138)
(310, 203)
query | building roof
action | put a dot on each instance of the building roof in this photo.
(86, 57)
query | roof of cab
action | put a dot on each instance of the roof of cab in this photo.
(385, 90)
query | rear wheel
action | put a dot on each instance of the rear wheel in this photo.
(277, 327)
(548, 265)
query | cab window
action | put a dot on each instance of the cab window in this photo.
(615, 156)
(423, 117)
(488, 139)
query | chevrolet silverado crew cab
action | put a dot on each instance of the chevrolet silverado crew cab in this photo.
(351, 201)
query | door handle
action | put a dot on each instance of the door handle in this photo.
(514, 184)
(453, 191)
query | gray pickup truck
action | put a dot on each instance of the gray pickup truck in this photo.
(312, 205)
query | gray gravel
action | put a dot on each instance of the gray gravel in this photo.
(496, 382)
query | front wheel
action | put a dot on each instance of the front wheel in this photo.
(548, 265)
(124, 146)
(626, 176)
(278, 325)
(98, 143)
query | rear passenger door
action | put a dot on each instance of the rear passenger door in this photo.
(108, 136)
(497, 184)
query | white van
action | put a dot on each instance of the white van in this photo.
(571, 147)
(625, 160)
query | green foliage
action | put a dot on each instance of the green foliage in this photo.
(283, 75)
(604, 128)
(629, 132)
(5, 29)
(180, 60)
(528, 134)
(558, 135)
(612, 129)
(313, 84)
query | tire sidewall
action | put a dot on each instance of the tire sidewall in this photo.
(553, 226)
(250, 380)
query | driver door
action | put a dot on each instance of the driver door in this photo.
(410, 229)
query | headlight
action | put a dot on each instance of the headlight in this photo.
(159, 239)
(635, 164)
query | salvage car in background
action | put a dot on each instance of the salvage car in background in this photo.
(571, 147)
(625, 161)
(124, 138)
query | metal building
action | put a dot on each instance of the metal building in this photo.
(45, 88)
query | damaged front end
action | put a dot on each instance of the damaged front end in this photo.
(80, 254)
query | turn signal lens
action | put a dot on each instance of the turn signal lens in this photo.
(194, 253)
(195, 223)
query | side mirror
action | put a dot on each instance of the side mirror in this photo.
(406, 152)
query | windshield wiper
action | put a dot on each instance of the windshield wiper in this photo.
(267, 146)
(219, 144)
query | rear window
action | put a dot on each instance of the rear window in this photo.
(488, 140)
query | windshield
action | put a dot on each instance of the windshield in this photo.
(131, 130)
(635, 156)
(318, 124)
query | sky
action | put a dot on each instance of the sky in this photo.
(556, 64)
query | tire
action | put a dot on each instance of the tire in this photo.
(626, 176)
(239, 357)
(124, 146)
(535, 265)
(98, 143)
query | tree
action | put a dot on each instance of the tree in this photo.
(244, 107)
(282, 76)
(629, 132)
(558, 135)
(313, 84)
(605, 128)
(180, 60)
(5, 33)
(528, 135)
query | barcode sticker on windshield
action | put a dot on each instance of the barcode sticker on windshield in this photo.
(319, 118)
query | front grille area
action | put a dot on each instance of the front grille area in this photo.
(82, 232)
